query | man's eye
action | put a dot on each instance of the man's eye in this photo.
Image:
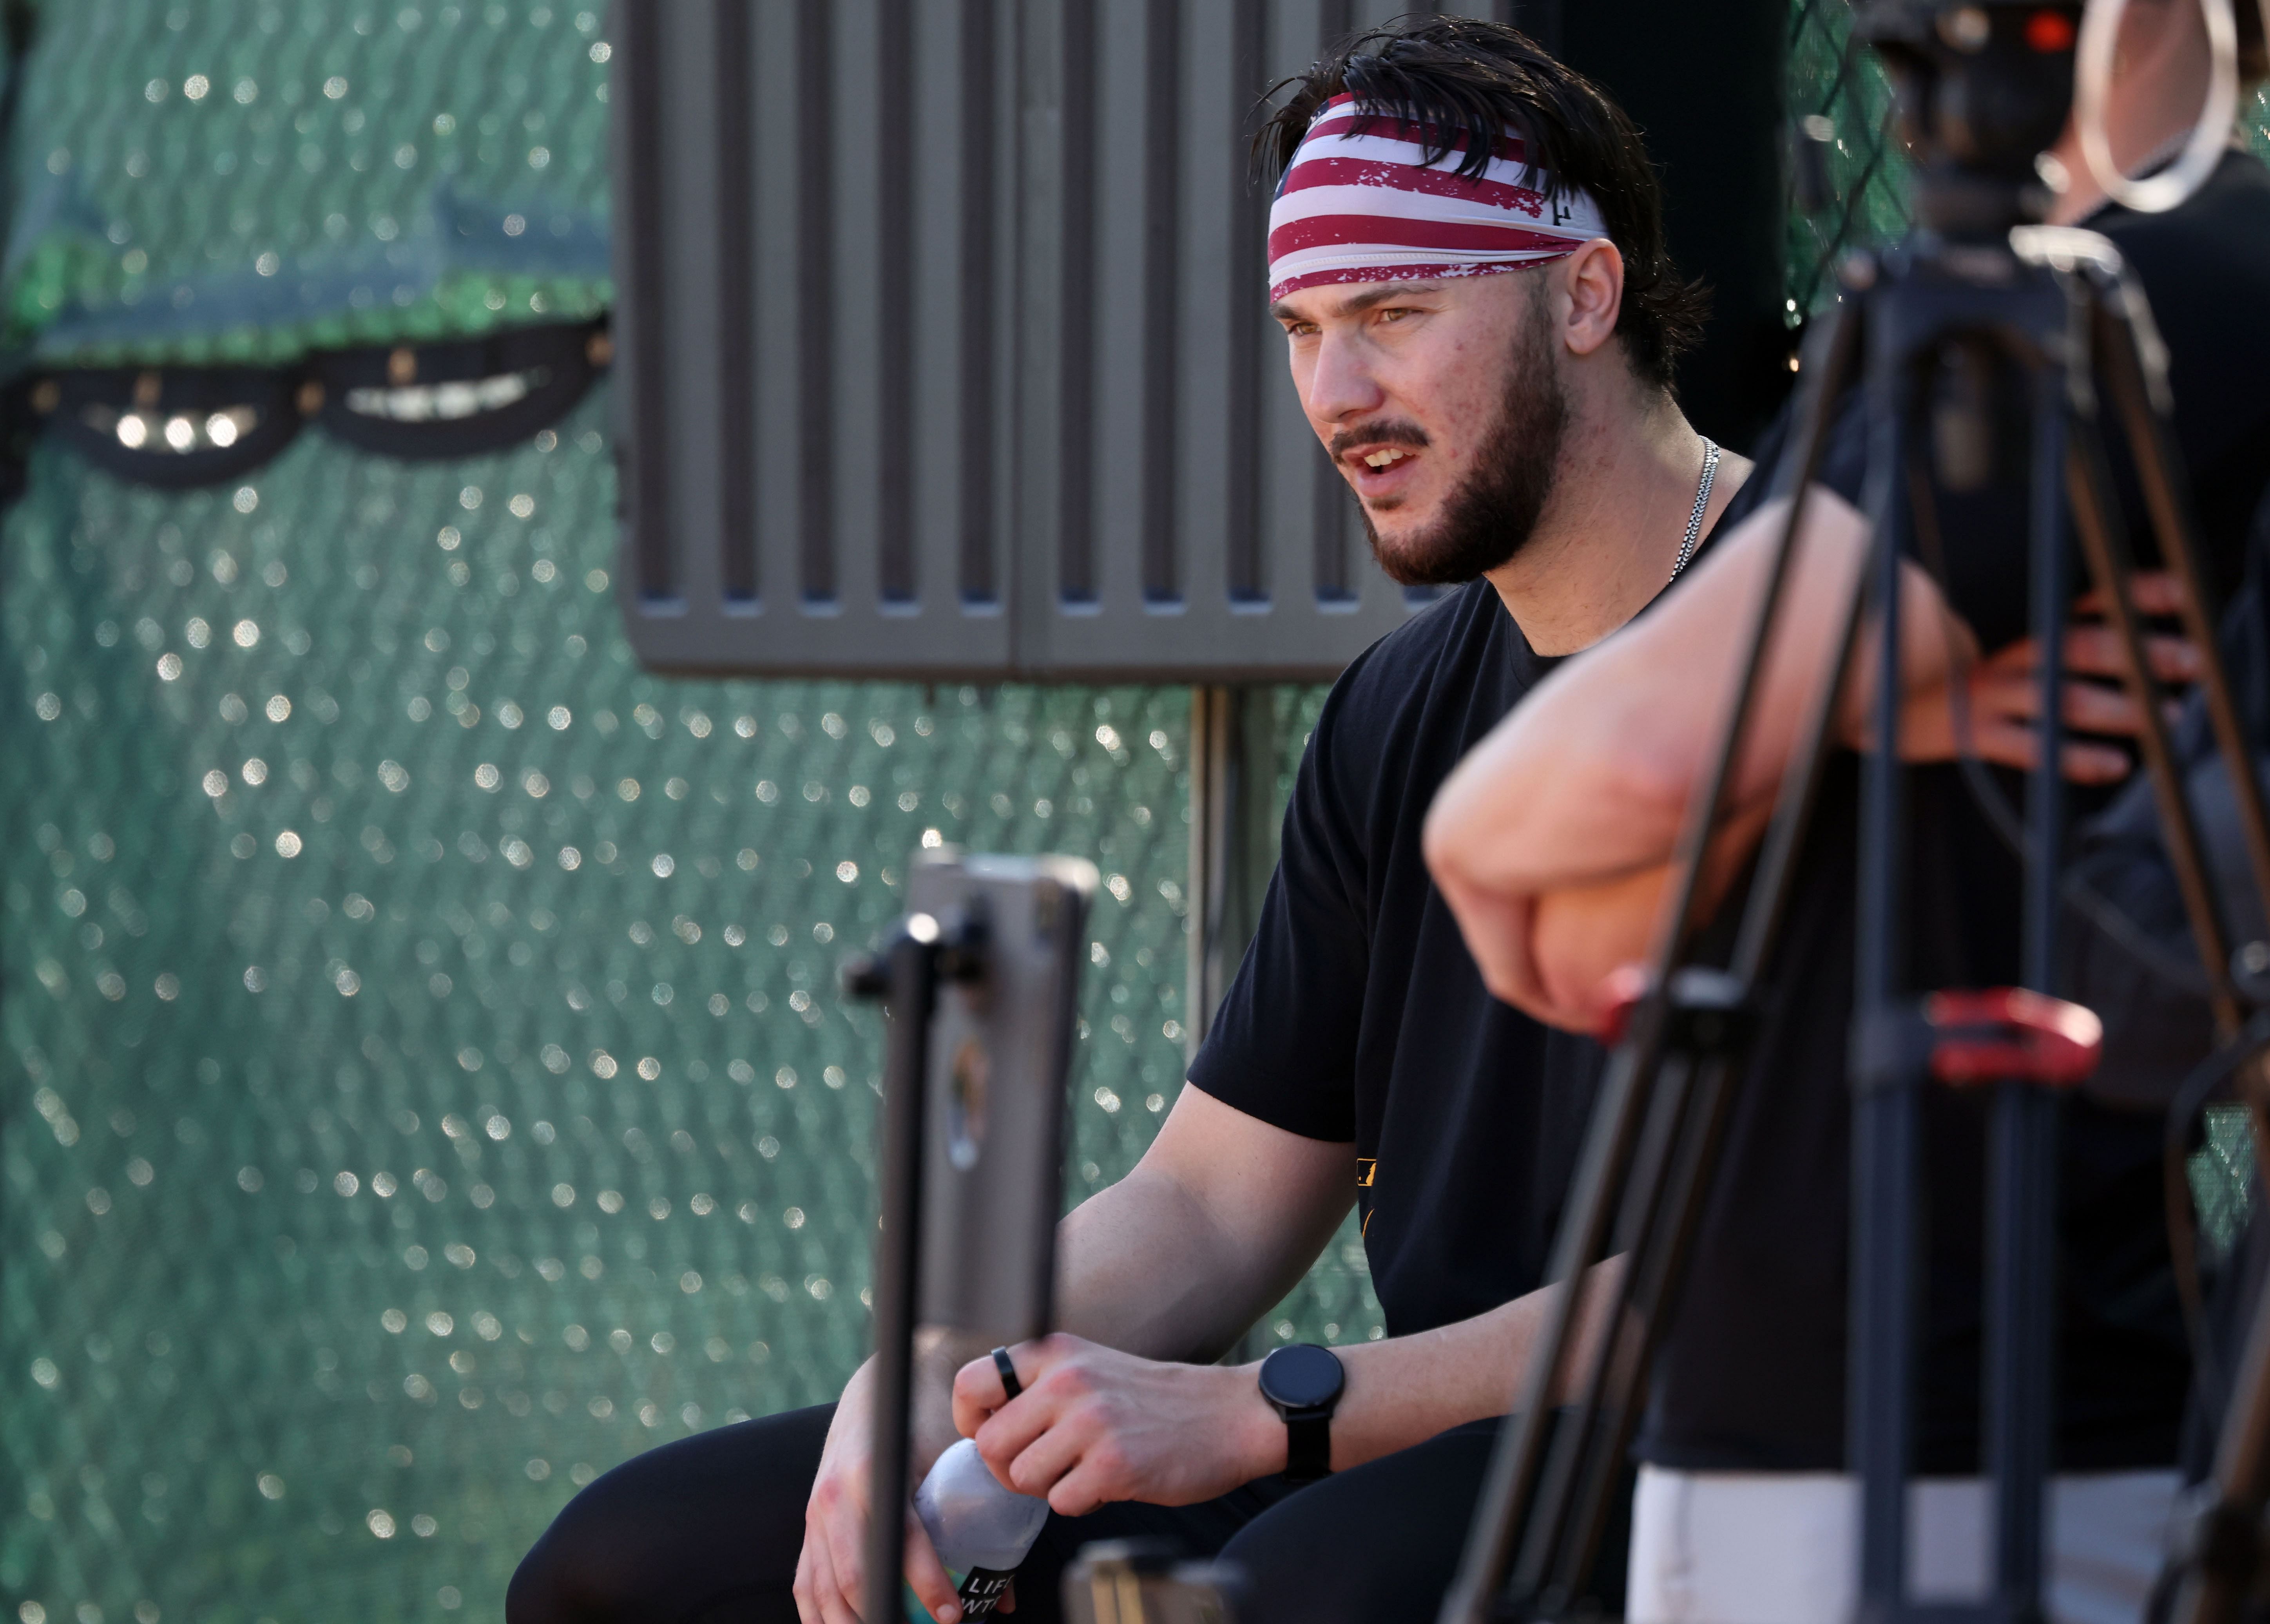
(1396, 313)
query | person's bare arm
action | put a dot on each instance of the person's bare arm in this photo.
(1096, 1425)
(1216, 1222)
(1220, 1219)
(1552, 839)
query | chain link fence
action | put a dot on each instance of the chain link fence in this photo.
(241, 181)
(430, 1085)
(424, 1083)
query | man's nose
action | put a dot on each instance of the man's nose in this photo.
(1341, 385)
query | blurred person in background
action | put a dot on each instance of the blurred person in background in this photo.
(1468, 261)
(1551, 844)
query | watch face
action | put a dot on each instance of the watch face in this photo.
(1302, 1377)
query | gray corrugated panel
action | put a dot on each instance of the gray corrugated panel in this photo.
(1189, 513)
(811, 480)
(996, 395)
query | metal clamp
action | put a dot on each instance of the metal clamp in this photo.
(1706, 1013)
(1968, 1039)
(2010, 1034)
(958, 955)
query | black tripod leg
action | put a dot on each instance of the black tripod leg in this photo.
(1542, 1570)
(2018, 1398)
(2226, 1556)
(1505, 1510)
(2100, 523)
(1885, 1109)
(2139, 387)
(1666, 1107)
(2157, 466)
(2111, 564)
(1657, 1253)
(912, 966)
(2226, 1545)
(2138, 384)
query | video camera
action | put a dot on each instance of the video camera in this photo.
(1983, 88)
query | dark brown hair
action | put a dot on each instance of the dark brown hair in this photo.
(1466, 81)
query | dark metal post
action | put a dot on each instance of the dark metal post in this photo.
(1234, 813)
(1886, 1107)
(2021, 1237)
(911, 966)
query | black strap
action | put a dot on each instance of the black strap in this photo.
(1308, 1447)
(1008, 1370)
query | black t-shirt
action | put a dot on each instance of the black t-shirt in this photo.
(1752, 1375)
(1358, 1014)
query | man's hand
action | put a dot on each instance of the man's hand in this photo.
(2002, 693)
(1094, 1425)
(831, 1576)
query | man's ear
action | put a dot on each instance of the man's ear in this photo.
(1592, 280)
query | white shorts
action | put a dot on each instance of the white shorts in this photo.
(1740, 1547)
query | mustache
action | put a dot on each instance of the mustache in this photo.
(1346, 439)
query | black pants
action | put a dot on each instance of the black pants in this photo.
(706, 1531)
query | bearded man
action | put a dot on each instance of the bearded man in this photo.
(1467, 258)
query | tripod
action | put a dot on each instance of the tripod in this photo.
(979, 981)
(2052, 313)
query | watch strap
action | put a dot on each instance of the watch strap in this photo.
(1307, 1445)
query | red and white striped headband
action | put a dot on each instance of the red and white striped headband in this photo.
(1359, 202)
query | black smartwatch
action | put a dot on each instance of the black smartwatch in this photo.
(1302, 1384)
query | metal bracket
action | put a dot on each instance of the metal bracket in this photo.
(1968, 1039)
(1708, 1015)
(957, 955)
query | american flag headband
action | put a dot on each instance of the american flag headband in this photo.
(1360, 204)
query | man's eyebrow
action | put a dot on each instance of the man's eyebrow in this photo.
(1356, 304)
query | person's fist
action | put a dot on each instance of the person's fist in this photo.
(1094, 1425)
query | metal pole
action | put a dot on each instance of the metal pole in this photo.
(1512, 1518)
(1886, 1108)
(2020, 1371)
(912, 969)
(1233, 814)
(1210, 819)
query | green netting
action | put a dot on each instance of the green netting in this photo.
(368, 1174)
(428, 1085)
(1831, 78)
(242, 180)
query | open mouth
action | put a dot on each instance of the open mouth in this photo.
(1379, 472)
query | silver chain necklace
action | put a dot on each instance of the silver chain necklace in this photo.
(1702, 502)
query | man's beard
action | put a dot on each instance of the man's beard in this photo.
(1494, 512)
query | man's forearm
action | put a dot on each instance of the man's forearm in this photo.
(1219, 1220)
(1145, 1267)
(1096, 1424)
(1405, 1391)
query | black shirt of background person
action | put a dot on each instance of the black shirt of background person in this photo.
(1358, 1014)
(1752, 1372)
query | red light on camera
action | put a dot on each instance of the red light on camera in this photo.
(2050, 32)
